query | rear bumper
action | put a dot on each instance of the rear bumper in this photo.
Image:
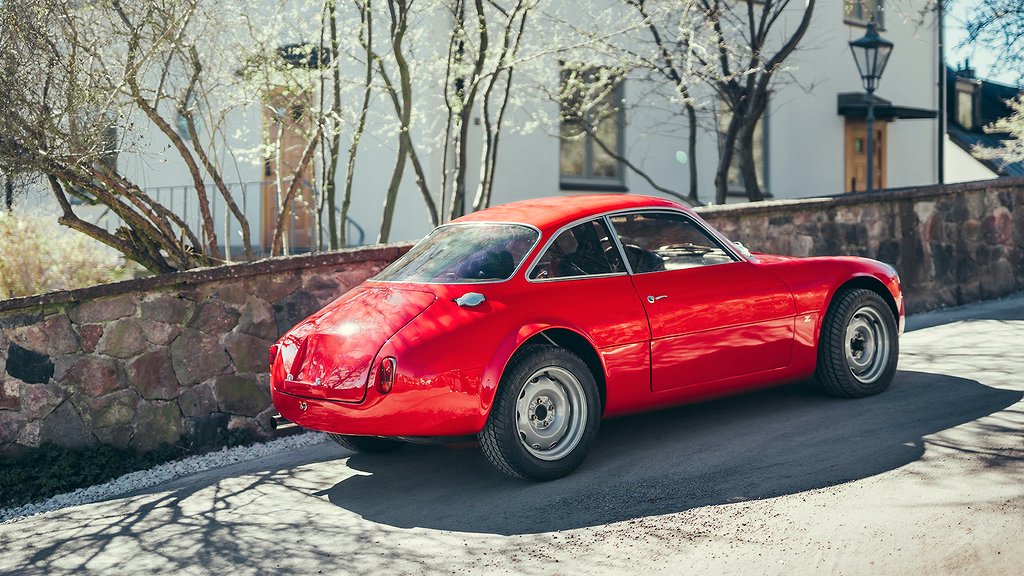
(902, 320)
(429, 412)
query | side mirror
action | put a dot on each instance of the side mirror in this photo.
(742, 249)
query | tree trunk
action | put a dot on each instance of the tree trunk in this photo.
(334, 149)
(748, 164)
(209, 231)
(8, 194)
(691, 113)
(392, 195)
(725, 160)
(366, 41)
(150, 259)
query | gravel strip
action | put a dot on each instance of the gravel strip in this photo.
(163, 473)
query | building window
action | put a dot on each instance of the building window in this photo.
(735, 180)
(860, 12)
(591, 130)
(966, 92)
(965, 109)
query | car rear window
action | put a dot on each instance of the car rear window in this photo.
(464, 253)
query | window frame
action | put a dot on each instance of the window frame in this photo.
(588, 180)
(518, 268)
(856, 16)
(558, 233)
(723, 243)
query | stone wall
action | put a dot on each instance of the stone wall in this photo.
(951, 244)
(179, 358)
(182, 358)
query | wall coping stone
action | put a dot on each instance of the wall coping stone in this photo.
(197, 276)
(854, 198)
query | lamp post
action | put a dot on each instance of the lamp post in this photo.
(871, 53)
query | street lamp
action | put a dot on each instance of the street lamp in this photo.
(871, 53)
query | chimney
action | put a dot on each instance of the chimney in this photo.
(965, 71)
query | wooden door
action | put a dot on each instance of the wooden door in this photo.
(856, 155)
(286, 124)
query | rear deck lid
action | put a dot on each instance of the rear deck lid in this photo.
(329, 355)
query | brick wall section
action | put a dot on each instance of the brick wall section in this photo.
(178, 358)
(951, 244)
(182, 357)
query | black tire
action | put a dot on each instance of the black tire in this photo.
(368, 444)
(545, 415)
(858, 347)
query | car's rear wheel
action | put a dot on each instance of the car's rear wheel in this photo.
(370, 444)
(859, 346)
(545, 415)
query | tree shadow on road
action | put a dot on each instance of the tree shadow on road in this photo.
(782, 441)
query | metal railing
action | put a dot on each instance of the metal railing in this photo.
(182, 201)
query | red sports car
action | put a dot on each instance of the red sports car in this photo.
(525, 324)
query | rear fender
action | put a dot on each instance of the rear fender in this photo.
(512, 345)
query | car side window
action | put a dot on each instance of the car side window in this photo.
(583, 250)
(655, 241)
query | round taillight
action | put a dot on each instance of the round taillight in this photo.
(386, 375)
(273, 355)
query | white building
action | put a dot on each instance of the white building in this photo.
(811, 141)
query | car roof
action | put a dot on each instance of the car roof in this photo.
(554, 212)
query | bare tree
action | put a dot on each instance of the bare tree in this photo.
(400, 14)
(366, 43)
(999, 25)
(589, 100)
(660, 48)
(479, 70)
(89, 80)
(746, 36)
(674, 55)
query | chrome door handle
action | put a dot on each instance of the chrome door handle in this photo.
(653, 299)
(470, 299)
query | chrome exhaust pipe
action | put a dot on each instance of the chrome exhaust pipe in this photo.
(278, 422)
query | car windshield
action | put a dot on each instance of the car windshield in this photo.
(464, 253)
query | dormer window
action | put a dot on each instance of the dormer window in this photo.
(965, 108)
(966, 102)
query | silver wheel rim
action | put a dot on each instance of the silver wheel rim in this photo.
(551, 413)
(867, 345)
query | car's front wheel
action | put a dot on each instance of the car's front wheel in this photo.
(859, 346)
(371, 444)
(545, 415)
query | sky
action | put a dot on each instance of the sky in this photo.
(982, 59)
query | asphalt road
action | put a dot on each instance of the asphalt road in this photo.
(927, 478)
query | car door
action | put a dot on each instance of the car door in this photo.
(712, 314)
(586, 285)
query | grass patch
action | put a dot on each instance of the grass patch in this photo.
(50, 470)
(38, 255)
